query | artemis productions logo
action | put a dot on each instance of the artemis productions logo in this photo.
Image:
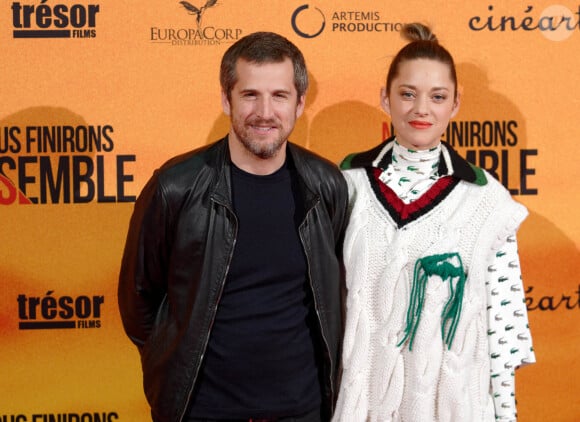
(317, 22)
(310, 21)
(54, 312)
(200, 35)
(54, 21)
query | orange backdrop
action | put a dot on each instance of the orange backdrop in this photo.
(95, 94)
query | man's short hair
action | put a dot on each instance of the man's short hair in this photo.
(262, 47)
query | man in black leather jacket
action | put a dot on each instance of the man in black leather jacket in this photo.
(231, 279)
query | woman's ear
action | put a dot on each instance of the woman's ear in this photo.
(456, 104)
(385, 105)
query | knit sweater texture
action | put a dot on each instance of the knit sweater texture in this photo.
(404, 357)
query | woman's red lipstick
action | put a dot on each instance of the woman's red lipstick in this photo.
(417, 124)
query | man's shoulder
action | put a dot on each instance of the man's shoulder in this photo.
(315, 162)
(191, 162)
(320, 175)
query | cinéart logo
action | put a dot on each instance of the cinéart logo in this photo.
(58, 20)
(555, 22)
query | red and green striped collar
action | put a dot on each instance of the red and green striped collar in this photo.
(450, 163)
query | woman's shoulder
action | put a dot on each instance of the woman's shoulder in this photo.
(370, 158)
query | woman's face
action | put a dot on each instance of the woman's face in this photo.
(421, 102)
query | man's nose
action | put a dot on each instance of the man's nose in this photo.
(265, 108)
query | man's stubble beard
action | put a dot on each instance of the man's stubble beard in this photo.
(260, 149)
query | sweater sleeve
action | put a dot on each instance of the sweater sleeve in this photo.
(510, 342)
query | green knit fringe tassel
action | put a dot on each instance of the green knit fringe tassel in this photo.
(436, 265)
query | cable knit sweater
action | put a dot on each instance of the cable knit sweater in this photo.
(417, 339)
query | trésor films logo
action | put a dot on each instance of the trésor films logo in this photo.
(59, 312)
(54, 20)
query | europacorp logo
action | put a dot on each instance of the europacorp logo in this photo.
(203, 30)
(54, 20)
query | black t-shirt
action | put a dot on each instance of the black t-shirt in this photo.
(261, 360)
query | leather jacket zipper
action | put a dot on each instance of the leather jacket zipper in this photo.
(331, 369)
(223, 282)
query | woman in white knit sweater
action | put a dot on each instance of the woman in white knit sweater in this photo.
(436, 322)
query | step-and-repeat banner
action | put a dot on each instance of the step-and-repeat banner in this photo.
(95, 94)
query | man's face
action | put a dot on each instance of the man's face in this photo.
(263, 107)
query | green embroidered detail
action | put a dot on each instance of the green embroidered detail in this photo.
(442, 266)
(347, 162)
(404, 180)
(480, 178)
(412, 168)
(499, 254)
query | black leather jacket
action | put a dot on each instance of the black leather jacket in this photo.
(178, 251)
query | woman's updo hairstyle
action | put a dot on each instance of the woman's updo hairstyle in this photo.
(423, 44)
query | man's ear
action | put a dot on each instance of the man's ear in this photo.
(226, 104)
(300, 106)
